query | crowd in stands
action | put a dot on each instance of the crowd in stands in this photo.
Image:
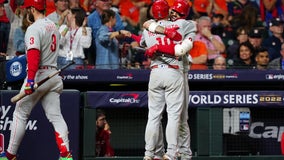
(233, 34)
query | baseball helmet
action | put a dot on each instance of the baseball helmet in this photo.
(160, 9)
(182, 7)
(38, 4)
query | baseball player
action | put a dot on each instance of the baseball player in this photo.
(41, 40)
(166, 84)
(179, 11)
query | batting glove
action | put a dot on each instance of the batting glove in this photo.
(172, 33)
(151, 51)
(29, 88)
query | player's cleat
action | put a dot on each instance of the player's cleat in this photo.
(184, 157)
(147, 158)
(167, 157)
(68, 157)
(4, 157)
(157, 158)
(65, 158)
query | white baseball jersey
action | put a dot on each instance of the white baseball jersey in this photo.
(44, 36)
(186, 28)
(167, 86)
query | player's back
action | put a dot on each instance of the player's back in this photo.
(187, 28)
(151, 38)
(44, 36)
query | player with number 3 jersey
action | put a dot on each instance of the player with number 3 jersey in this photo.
(41, 40)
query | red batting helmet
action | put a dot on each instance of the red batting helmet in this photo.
(182, 7)
(38, 4)
(160, 9)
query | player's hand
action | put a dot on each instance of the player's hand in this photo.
(29, 88)
(147, 24)
(125, 33)
(151, 51)
(172, 33)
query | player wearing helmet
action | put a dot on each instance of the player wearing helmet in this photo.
(178, 12)
(167, 83)
(41, 40)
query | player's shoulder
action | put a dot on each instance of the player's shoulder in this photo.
(185, 21)
(164, 22)
(32, 27)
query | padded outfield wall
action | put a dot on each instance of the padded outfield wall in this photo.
(126, 108)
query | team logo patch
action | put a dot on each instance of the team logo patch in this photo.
(16, 69)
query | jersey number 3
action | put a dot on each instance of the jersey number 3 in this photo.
(53, 43)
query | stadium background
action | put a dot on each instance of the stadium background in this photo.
(123, 95)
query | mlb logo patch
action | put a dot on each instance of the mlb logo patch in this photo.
(16, 69)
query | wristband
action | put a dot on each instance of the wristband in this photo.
(30, 81)
(66, 29)
(152, 27)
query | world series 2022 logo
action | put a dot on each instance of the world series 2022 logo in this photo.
(270, 98)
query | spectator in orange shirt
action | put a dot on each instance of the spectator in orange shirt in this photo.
(199, 56)
(202, 7)
(220, 7)
(85, 5)
(130, 13)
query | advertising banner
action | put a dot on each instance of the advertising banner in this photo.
(196, 99)
(133, 99)
(132, 75)
(236, 99)
(264, 137)
(39, 140)
(266, 121)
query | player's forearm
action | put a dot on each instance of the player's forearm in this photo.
(155, 28)
(33, 59)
